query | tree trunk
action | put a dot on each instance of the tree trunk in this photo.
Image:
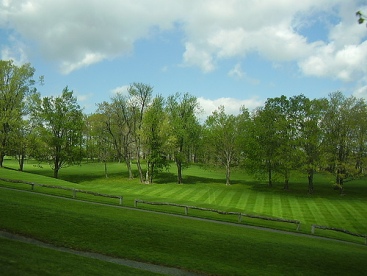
(228, 174)
(128, 165)
(140, 170)
(2, 155)
(270, 180)
(286, 180)
(21, 162)
(57, 162)
(310, 181)
(105, 169)
(179, 172)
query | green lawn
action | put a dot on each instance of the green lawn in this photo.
(18, 258)
(205, 188)
(173, 241)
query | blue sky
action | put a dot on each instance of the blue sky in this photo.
(224, 52)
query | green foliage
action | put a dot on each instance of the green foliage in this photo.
(361, 17)
(59, 122)
(154, 133)
(184, 128)
(16, 86)
(223, 136)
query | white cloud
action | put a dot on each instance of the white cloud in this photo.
(231, 105)
(76, 34)
(237, 72)
(346, 64)
(123, 90)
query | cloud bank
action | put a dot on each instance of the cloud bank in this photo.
(75, 34)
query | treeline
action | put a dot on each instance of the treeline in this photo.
(284, 135)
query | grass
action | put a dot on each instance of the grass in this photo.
(18, 258)
(173, 241)
(205, 188)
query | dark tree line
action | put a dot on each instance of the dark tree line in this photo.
(148, 133)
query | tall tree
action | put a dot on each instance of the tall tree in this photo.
(140, 98)
(16, 85)
(118, 122)
(223, 135)
(154, 136)
(263, 143)
(60, 121)
(342, 126)
(307, 116)
(183, 122)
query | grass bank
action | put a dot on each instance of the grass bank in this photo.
(195, 245)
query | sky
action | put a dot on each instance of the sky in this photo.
(225, 52)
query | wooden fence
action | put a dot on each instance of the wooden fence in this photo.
(314, 226)
(73, 190)
(240, 215)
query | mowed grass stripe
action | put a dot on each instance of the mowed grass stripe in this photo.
(354, 218)
(242, 202)
(296, 209)
(192, 195)
(286, 207)
(251, 202)
(226, 200)
(259, 205)
(276, 210)
(318, 215)
(236, 198)
(334, 214)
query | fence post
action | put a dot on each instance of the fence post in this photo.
(32, 184)
(74, 193)
(186, 210)
(313, 229)
(120, 200)
(135, 203)
(240, 218)
(298, 226)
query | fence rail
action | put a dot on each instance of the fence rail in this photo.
(314, 226)
(73, 190)
(239, 214)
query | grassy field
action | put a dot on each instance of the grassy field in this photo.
(205, 188)
(195, 245)
(153, 237)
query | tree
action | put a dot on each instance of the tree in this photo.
(307, 115)
(263, 143)
(118, 121)
(223, 136)
(16, 85)
(154, 136)
(183, 126)
(99, 144)
(60, 122)
(140, 97)
(344, 137)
